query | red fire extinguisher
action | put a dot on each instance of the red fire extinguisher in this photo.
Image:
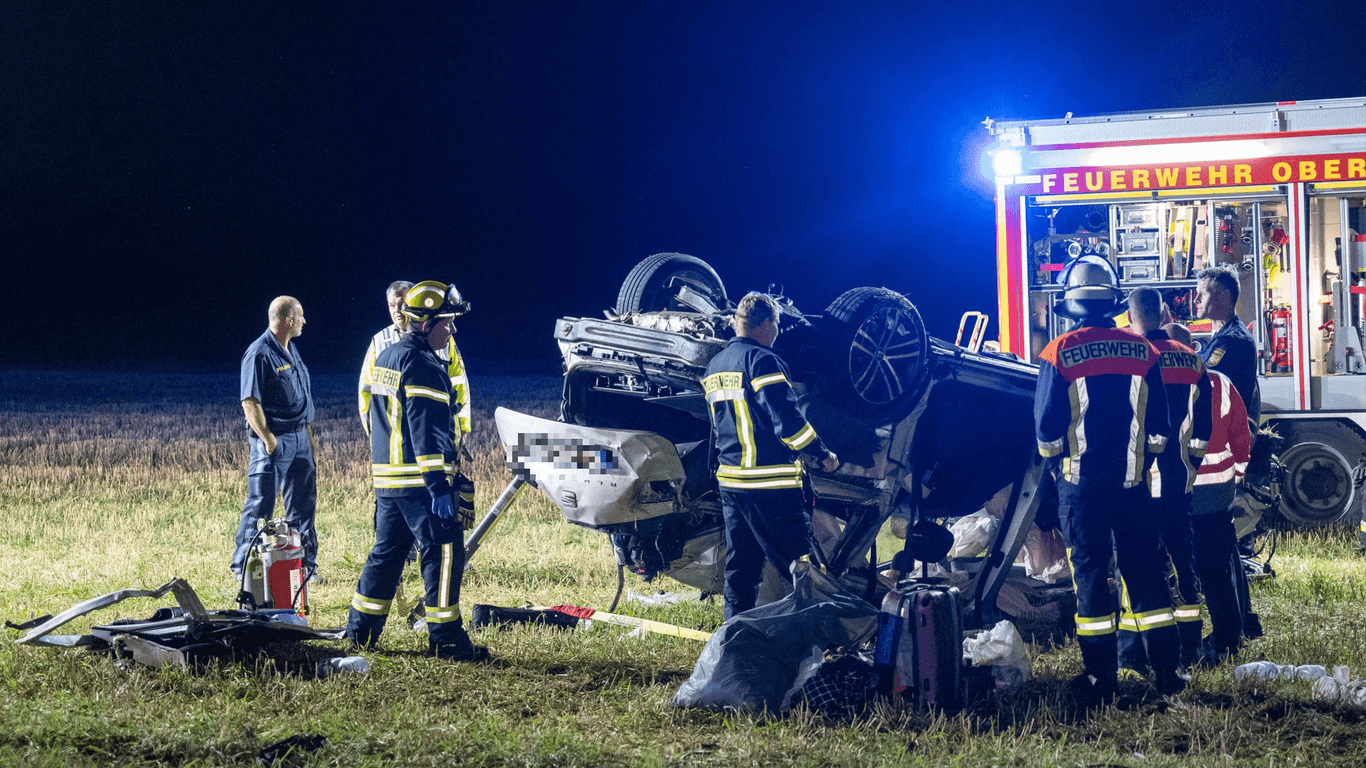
(274, 576)
(1281, 357)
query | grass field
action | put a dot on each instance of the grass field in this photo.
(116, 481)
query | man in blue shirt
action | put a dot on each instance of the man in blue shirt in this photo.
(277, 400)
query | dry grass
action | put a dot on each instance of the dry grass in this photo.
(106, 484)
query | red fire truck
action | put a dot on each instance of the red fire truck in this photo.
(1277, 190)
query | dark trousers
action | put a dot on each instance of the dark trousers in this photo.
(288, 473)
(772, 524)
(1172, 517)
(1096, 524)
(1215, 554)
(399, 521)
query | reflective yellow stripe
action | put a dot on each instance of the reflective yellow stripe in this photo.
(725, 394)
(764, 381)
(399, 482)
(443, 594)
(1091, 627)
(803, 438)
(744, 485)
(744, 430)
(1188, 613)
(769, 471)
(1050, 449)
(412, 390)
(1153, 619)
(395, 430)
(371, 605)
(443, 615)
(394, 469)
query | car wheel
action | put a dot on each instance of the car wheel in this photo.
(876, 352)
(1317, 487)
(651, 286)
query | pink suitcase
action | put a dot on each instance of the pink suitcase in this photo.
(920, 645)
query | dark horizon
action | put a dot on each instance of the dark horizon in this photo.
(169, 170)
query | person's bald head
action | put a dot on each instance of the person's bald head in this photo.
(286, 314)
(1179, 333)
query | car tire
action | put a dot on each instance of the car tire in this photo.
(1317, 489)
(875, 353)
(651, 284)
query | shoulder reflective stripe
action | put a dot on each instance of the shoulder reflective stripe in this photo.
(370, 605)
(412, 390)
(764, 381)
(803, 438)
(725, 394)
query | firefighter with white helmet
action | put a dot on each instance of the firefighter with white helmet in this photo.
(1100, 414)
(413, 464)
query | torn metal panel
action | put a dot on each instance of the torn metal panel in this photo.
(178, 636)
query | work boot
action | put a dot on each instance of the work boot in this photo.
(456, 646)
(1171, 682)
(1091, 692)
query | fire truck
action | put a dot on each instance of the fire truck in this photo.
(1276, 190)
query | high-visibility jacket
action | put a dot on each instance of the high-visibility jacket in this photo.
(1100, 405)
(455, 369)
(412, 433)
(757, 428)
(1188, 412)
(1230, 443)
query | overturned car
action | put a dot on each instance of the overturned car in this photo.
(926, 430)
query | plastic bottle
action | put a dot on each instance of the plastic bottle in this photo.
(254, 583)
(355, 665)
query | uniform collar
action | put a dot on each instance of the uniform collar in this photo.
(746, 340)
(1233, 322)
(274, 343)
(1091, 321)
(1157, 334)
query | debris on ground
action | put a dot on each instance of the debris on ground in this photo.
(1341, 687)
(1003, 650)
(181, 636)
(293, 746)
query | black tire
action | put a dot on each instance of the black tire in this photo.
(1317, 490)
(651, 284)
(876, 352)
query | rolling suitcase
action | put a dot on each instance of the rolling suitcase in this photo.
(920, 645)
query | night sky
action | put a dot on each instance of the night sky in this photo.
(168, 168)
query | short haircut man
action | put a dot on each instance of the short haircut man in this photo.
(277, 400)
(754, 310)
(1145, 308)
(1225, 276)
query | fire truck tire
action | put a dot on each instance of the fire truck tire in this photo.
(650, 285)
(876, 352)
(1317, 488)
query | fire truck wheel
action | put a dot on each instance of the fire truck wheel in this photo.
(1317, 488)
(652, 284)
(875, 353)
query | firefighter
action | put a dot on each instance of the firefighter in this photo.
(277, 400)
(1172, 476)
(1232, 352)
(413, 463)
(1100, 414)
(1212, 536)
(449, 354)
(758, 434)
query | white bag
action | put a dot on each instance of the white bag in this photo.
(1002, 649)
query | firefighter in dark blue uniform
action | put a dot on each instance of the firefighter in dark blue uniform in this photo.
(1100, 414)
(1172, 477)
(1233, 352)
(413, 463)
(758, 432)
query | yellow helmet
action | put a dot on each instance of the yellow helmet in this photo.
(430, 299)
